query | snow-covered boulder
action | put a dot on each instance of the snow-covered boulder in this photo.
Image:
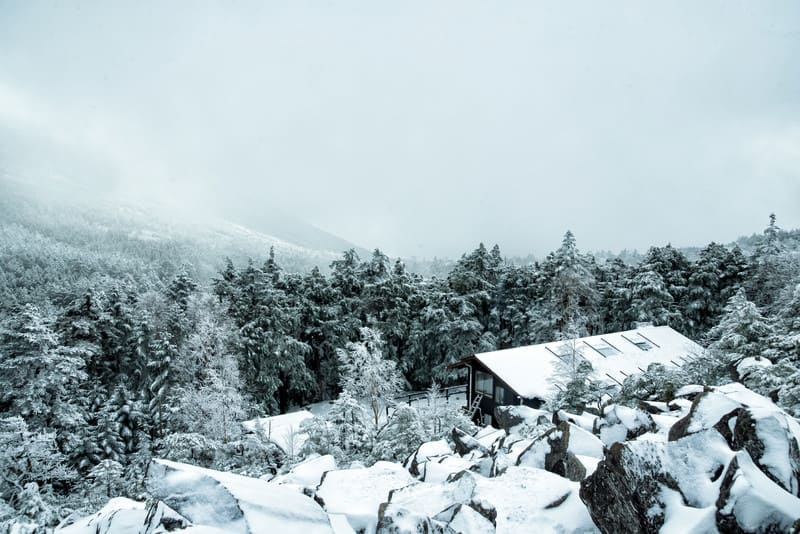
(234, 503)
(440, 469)
(430, 499)
(654, 407)
(464, 443)
(532, 500)
(424, 507)
(766, 433)
(521, 500)
(558, 449)
(488, 436)
(430, 449)
(509, 417)
(584, 420)
(125, 516)
(748, 502)
(728, 466)
(689, 392)
(395, 519)
(463, 518)
(307, 473)
(358, 493)
(621, 423)
(630, 489)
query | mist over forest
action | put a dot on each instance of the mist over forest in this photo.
(375, 268)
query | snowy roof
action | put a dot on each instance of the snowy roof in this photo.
(532, 371)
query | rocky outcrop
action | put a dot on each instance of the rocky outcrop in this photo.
(234, 503)
(558, 449)
(519, 500)
(464, 443)
(623, 493)
(746, 502)
(729, 464)
(124, 515)
(763, 431)
(621, 423)
(512, 416)
(425, 452)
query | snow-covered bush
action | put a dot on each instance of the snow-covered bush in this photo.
(190, 448)
(400, 437)
(343, 432)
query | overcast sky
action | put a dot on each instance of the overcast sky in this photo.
(425, 127)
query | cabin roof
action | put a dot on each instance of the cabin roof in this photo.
(533, 371)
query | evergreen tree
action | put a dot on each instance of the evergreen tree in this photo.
(107, 477)
(322, 331)
(650, 301)
(28, 456)
(770, 267)
(741, 333)
(161, 355)
(38, 376)
(710, 285)
(572, 287)
(366, 374)
(516, 291)
(343, 432)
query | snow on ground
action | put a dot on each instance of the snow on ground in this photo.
(307, 473)
(282, 430)
(522, 496)
(357, 493)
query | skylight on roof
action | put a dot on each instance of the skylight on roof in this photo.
(565, 349)
(640, 341)
(603, 347)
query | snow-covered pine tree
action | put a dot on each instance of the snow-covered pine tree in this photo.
(572, 372)
(650, 301)
(161, 355)
(343, 432)
(366, 374)
(107, 477)
(742, 333)
(572, 293)
(28, 456)
(39, 377)
(770, 267)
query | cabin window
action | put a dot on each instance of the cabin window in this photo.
(500, 394)
(484, 383)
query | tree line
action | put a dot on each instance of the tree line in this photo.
(92, 385)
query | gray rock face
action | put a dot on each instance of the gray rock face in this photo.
(552, 453)
(464, 443)
(508, 416)
(622, 495)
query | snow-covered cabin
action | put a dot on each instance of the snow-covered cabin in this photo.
(530, 375)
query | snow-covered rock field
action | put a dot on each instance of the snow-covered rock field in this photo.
(712, 460)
